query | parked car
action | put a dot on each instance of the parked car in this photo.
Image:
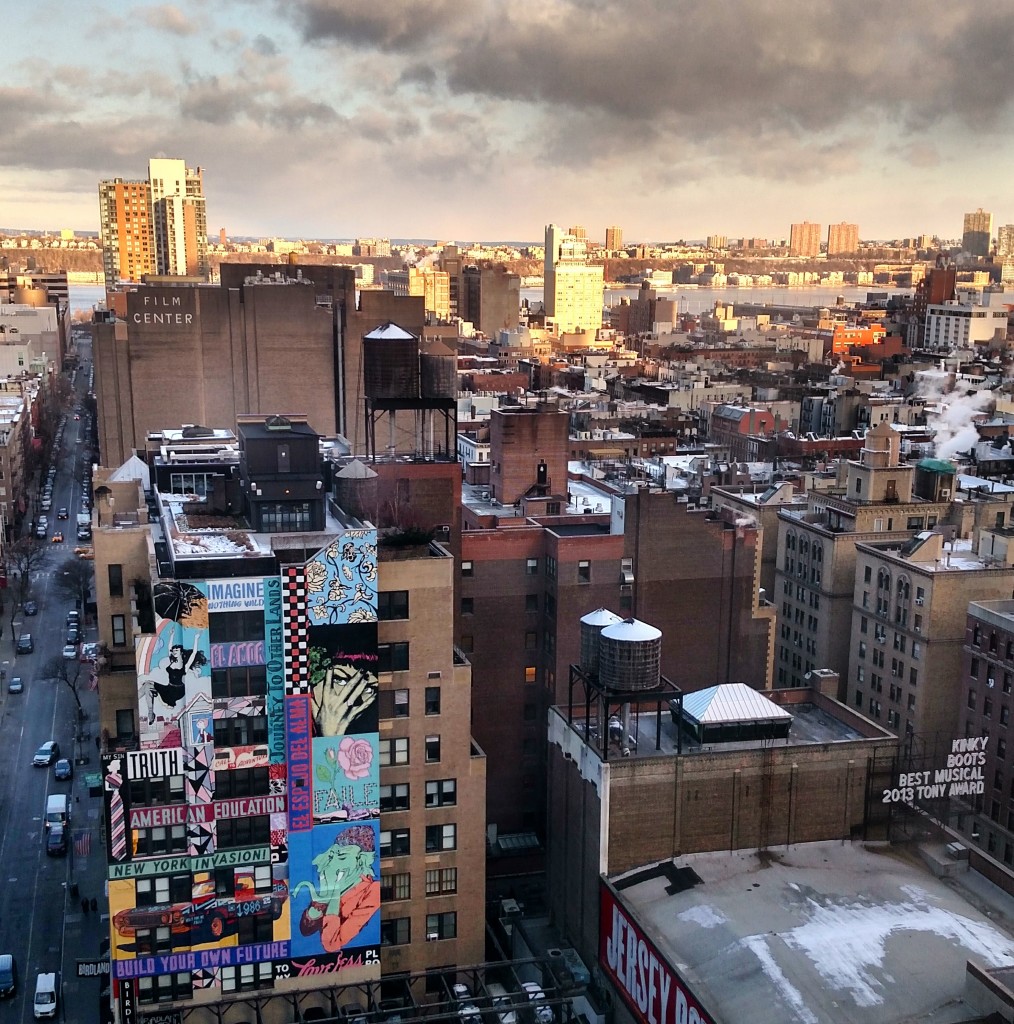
(46, 754)
(25, 644)
(73, 634)
(63, 770)
(56, 842)
(70, 652)
(30, 608)
(16, 685)
(41, 530)
(8, 976)
(542, 1010)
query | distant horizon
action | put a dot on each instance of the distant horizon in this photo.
(441, 240)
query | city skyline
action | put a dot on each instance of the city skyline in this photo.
(488, 124)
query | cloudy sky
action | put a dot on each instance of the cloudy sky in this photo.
(487, 119)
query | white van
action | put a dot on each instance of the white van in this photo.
(45, 996)
(501, 1001)
(57, 810)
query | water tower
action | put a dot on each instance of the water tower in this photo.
(410, 386)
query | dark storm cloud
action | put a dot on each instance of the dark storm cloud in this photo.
(264, 46)
(744, 65)
(394, 25)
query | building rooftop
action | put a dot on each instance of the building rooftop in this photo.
(822, 933)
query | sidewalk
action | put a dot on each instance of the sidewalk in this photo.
(85, 931)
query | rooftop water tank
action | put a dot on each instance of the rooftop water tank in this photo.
(592, 625)
(391, 363)
(630, 656)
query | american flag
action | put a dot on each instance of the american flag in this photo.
(82, 842)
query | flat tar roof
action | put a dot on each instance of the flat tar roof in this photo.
(822, 933)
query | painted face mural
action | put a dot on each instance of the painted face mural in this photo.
(344, 899)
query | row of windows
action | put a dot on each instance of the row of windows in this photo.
(975, 667)
(397, 931)
(396, 751)
(987, 707)
(532, 567)
(397, 703)
(439, 793)
(439, 882)
(397, 842)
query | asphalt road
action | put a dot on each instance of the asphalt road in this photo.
(35, 900)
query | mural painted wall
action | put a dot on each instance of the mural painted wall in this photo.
(307, 887)
(334, 855)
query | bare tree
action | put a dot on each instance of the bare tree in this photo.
(66, 671)
(24, 557)
(73, 579)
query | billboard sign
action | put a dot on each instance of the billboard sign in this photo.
(650, 986)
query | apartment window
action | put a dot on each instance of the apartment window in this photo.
(584, 572)
(255, 928)
(115, 580)
(432, 700)
(864, 625)
(441, 837)
(164, 988)
(532, 567)
(240, 782)
(251, 831)
(551, 567)
(150, 842)
(235, 627)
(392, 657)
(396, 931)
(241, 731)
(441, 792)
(531, 602)
(432, 748)
(119, 631)
(392, 604)
(441, 926)
(467, 605)
(531, 673)
(249, 976)
(441, 881)
(396, 887)
(393, 751)
(867, 574)
(973, 669)
(401, 703)
(466, 569)
(248, 681)
(531, 640)
(394, 798)
(395, 842)
(155, 792)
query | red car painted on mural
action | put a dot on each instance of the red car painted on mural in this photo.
(206, 919)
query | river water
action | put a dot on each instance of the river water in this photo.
(691, 300)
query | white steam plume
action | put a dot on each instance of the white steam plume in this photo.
(952, 417)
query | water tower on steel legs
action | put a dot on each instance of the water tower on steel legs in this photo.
(411, 389)
(619, 677)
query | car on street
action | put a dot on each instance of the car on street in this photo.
(25, 644)
(70, 652)
(58, 537)
(56, 842)
(16, 685)
(62, 513)
(73, 633)
(542, 1010)
(46, 754)
(8, 976)
(30, 608)
(63, 770)
(41, 530)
